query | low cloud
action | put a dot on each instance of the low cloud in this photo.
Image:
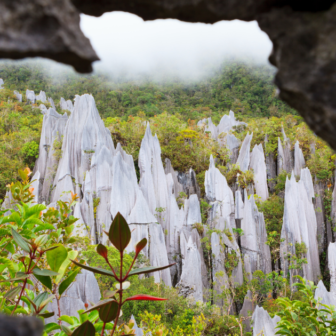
(130, 47)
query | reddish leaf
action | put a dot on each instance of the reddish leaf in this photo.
(120, 233)
(144, 297)
(109, 312)
(102, 250)
(139, 246)
(86, 329)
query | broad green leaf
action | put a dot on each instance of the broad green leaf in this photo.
(40, 298)
(68, 281)
(71, 255)
(149, 269)
(12, 293)
(94, 269)
(10, 248)
(119, 233)
(45, 280)
(44, 272)
(86, 329)
(56, 257)
(20, 241)
(18, 278)
(67, 319)
(46, 315)
(67, 331)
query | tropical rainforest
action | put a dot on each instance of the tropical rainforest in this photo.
(173, 110)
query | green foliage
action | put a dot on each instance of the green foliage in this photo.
(245, 88)
(20, 128)
(236, 175)
(231, 261)
(273, 209)
(95, 260)
(30, 150)
(305, 317)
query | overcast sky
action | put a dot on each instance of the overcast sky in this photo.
(127, 44)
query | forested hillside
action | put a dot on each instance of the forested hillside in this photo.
(246, 89)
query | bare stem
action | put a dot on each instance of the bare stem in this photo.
(120, 294)
(102, 333)
(23, 287)
(24, 283)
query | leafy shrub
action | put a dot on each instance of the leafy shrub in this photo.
(95, 260)
(30, 151)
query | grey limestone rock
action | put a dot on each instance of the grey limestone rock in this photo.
(332, 269)
(152, 176)
(227, 122)
(42, 97)
(138, 331)
(247, 310)
(271, 167)
(263, 324)
(244, 153)
(190, 284)
(53, 127)
(323, 295)
(43, 108)
(185, 234)
(284, 161)
(178, 187)
(189, 183)
(18, 96)
(158, 253)
(1, 83)
(219, 275)
(84, 134)
(253, 242)
(232, 143)
(45, 28)
(80, 226)
(83, 290)
(216, 187)
(258, 165)
(322, 226)
(30, 96)
(36, 185)
(194, 210)
(299, 161)
(299, 226)
(50, 100)
(66, 105)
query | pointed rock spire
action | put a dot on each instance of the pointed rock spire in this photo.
(18, 96)
(244, 154)
(299, 161)
(190, 284)
(263, 324)
(259, 169)
(41, 97)
(30, 96)
(253, 241)
(332, 269)
(299, 226)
